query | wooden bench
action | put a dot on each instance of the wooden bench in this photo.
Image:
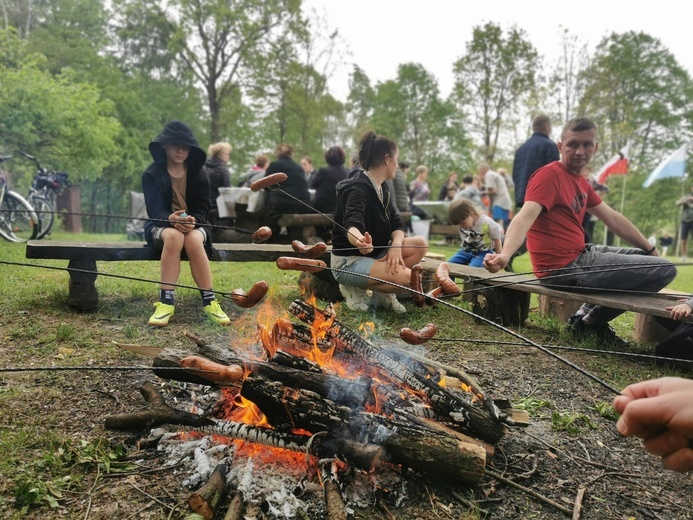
(302, 226)
(83, 256)
(504, 298)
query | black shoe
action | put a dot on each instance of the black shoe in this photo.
(600, 331)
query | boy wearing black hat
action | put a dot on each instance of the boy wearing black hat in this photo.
(176, 193)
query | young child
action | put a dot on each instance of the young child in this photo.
(176, 192)
(479, 233)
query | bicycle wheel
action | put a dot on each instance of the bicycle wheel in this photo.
(19, 219)
(45, 213)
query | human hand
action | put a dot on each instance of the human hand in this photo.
(365, 244)
(680, 311)
(393, 259)
(182, 221)
(660, 412)
(494, 262)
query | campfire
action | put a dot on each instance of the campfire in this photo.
(327, 404)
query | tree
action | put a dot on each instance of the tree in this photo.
(360, 102)
(636, 90)
(218, 41)
(491, 80)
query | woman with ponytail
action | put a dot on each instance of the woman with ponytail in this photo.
(370, 239)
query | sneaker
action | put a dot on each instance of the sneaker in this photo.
(213, 310)
(388, 301)
(356, 298)
(161, 315)
(600, 331)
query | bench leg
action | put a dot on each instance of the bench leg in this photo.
(83, 295)
(505, 306)
(647, 330)
(558, 308)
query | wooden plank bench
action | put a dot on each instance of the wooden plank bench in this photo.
(504, 298)
(84, 255)
(302, 226)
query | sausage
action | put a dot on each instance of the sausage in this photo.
(255, 294)
(415, 284)
(263, 234)
(435, 293)
(314, 251)
(310, 265)
(268, 181)
(221, 374)
(419, 337)
(442, 276)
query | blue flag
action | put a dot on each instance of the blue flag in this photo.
(673, 166)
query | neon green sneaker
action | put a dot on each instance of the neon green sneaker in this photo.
(161, 315)
(213, 310)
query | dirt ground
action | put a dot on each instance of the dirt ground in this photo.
(620, 480)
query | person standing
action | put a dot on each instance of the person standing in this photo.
(539, 150)
(450, 183)
(686, 203)
(308, 168)
(218, 174)
(176, 193)
(497, 190)
(294, 187)
(418, 189)
(470, 190)
(551, 219)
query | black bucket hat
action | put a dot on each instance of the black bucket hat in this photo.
(177, 132)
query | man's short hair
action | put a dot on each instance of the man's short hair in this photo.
(579, 124)
(467, 179)
(539, 122)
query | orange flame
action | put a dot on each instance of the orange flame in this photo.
(367, 328)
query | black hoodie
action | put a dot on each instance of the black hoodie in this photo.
(358, 206)
(156, 182)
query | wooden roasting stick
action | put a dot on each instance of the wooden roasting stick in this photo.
(330, 485)
(205, 500)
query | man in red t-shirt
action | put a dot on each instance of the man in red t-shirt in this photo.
(556, 200)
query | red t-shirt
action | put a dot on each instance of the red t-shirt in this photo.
(556, 238)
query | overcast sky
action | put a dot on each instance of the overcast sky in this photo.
(381, 34)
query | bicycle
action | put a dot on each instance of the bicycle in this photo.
(18, 220)
(42, 195)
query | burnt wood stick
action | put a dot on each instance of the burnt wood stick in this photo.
(353, 392)
(205, 500)
(157, 414)
(412, 446)
(330, 485)
(298, 337)
(473, 419)
(236, 510)
(297, 362)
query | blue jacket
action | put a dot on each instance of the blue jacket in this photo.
(537, 151)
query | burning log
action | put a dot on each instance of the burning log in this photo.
(205, 501)
(360, 455)
(330, 484)
(405, 444)
(473, 419)
(353, 392)
(236, 509)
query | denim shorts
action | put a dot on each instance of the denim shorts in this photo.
(357, 267)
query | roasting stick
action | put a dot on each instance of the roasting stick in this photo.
(314, 266)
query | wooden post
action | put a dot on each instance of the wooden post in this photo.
(647, 330)
(505, 306)
(558, 308)
(82, 291)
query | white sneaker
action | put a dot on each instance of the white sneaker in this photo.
(356, 298)
(388, 301)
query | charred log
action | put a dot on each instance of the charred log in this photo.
(473, 419)
(330, 485)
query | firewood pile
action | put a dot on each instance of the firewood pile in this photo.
(335, 403)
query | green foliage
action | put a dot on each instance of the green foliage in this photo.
(606, 410)
(571, 422)
(532, 405)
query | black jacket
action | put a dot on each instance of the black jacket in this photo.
(324, 182)
(219, 177)
(537, 151)
(156, 182)
(295, 185)
(358, 206)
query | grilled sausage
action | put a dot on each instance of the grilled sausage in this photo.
(268, 181)
(442, 276)
(435, 293)
(415, 283)
(419, 337)
(262, 235)
(255, 294)
(310, 265)
(214, 372)
(314, 251)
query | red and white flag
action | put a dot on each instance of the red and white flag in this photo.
(617, 165)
